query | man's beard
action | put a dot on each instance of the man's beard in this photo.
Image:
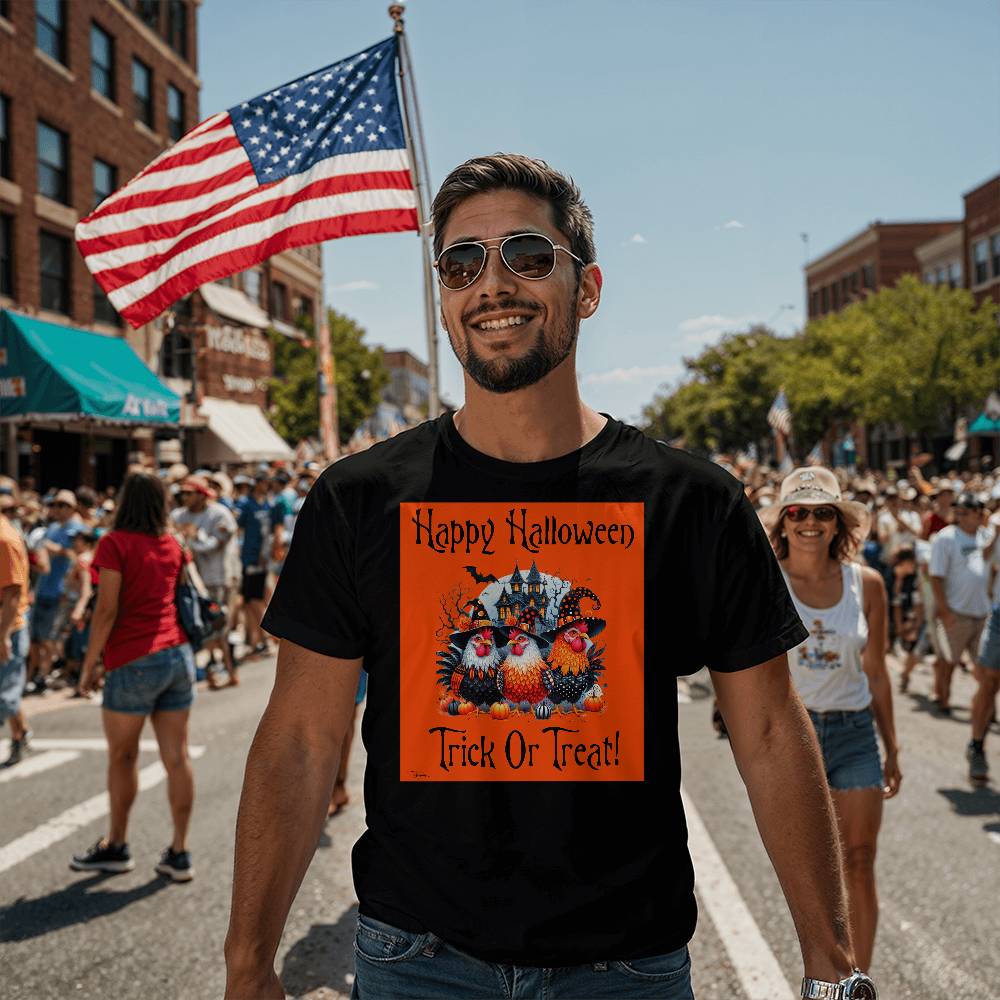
(503, 375)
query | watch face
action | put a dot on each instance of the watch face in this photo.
(862, 988)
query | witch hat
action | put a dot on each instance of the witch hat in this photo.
(569, 612)
(480, 620)
(526, 623)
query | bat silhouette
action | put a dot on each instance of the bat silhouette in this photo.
(479, 578)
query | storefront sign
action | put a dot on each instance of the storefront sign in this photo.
(247, 345)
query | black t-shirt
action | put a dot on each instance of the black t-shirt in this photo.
(523, 625)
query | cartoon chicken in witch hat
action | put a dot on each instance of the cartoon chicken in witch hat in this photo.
(574, 661)
(524, 678)
(468, 669)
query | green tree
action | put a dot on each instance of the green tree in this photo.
(723, 401)
(359, 373)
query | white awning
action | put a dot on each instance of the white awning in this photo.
(292, 332)
(238, 432)
(231, 303)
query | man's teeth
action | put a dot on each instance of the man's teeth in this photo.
(502, 324)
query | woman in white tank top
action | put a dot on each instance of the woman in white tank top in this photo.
(839, 671)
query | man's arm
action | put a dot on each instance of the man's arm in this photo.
(941, 608)
(10, 598)
(779, 760)
(289, 777)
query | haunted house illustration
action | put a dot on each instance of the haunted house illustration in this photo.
(521, 593)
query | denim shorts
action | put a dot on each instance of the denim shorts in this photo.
(989, 646)
(45, 619)
(160, 682)
(850, 749)
(12, 674)
(390, 962)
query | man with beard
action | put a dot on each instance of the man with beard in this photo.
(516, 263)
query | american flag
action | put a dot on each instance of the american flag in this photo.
(320, 157)
(780, 416)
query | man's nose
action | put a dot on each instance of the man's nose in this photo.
(497, 279)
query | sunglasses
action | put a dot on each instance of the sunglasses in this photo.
(528, 255)
(797, 513)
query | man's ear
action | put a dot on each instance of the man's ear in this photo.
(589, 295)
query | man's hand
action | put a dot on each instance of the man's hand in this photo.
(89, 676)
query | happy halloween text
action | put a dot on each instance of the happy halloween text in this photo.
(469, 535)
(559, 749)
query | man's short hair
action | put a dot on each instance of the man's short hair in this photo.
(514, 172)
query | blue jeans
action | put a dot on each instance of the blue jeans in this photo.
(12, 674)
(160, 682)
(390, 962)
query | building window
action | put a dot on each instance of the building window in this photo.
(53, 172)
(813, 303)
(955, 274)
(835, 296)
(50, 28)
(53, 259)
(251, 286)
(176, 355)
(980, 262)
(930, 278)
(175, 112)
(177, 27)
(279, 300)
(824, 294)
(149, 13)
(104, 311)
(102, 62)
(868, 276)
(7, 255)
(995, 245)
(305, 310)
(942, 275)
(4, 136)
(853, 281)
(105, 180)
(142, 87)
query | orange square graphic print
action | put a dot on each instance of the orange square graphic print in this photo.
(521, 641)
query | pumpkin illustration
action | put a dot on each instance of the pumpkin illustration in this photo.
(593, 700)
(500, 710)
(466, 708)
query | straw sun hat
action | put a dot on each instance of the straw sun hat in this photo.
(814, 486)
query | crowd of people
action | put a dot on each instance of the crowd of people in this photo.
(235, 531)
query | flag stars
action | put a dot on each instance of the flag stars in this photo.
(314, 108)
(360, 128)
(258, 111)
(303, 123)
(327, 77)
(300, 103)
(361, 105)
(372, 137)
(245, 123)
(377, 109)
(290, 117)
(245, 104)
(262, 129)
(314, 90)
(381, 128)
(348, 117)
(337, 128)
(255, 139)
(279, 134)
(324, 144)
(330, 93)
(348, 138)
(371, 91)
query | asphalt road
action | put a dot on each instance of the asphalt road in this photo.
(66, 934)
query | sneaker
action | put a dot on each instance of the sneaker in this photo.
(18, 748)
(979, 770)
(104, 857)
(176, 865)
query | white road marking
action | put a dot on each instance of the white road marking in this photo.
(33, 765)
(994, 836)
(754, 962)
(68, 822)
(84, 743)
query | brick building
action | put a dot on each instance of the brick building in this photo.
(981, 239)
(875, 258)
(90, 92)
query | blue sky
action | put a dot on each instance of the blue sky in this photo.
(705, 137)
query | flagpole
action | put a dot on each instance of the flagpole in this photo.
(421, 176)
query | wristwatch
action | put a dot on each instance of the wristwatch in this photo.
(857, 986)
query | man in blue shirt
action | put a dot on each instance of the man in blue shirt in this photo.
(261, 522)
(46, 622)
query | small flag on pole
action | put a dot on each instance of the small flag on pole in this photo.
(318, 158)
(780, 416)
(815, 457)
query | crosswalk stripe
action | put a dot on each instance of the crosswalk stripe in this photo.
(34, 765)
(754, 962)
(69, 821)
(80, 743)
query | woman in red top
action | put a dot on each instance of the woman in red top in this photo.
(149, 670)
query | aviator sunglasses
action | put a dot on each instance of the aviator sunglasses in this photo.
(528, 255)
(797, 513)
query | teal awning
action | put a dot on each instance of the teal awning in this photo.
(52, 372)
(985, 425)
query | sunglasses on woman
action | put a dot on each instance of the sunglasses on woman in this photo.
(800, 513)
(528, 255)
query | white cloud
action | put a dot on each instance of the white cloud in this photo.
(355, 286)
(733, 224)
(638, 238)
(626, 376)
(705, 329)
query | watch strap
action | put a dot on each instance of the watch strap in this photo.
(816, 989)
